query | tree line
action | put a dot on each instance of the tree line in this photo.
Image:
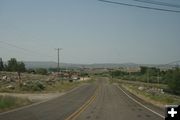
(170, 77)
(15, 66)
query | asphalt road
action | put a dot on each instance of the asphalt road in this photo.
(56, 109)
(109, 103)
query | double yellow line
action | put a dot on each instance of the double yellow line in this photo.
(74, 115)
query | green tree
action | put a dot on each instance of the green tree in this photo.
(15, 66)
(41, 71)
(12, 65)
(30, 70)
(174, 81)
(118, 73)
(1, 65)
(153, 71)
(143, 69)
(21, 67)
(18, 67)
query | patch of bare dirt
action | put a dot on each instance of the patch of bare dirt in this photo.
(35, 97)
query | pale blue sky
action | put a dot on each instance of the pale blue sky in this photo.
(89, 31)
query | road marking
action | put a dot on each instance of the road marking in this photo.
(74, 115)
(141, 103)
(37, 103)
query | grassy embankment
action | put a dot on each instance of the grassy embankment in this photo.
(10, 102)
(150, 93)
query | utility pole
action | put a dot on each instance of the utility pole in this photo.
(58, 69)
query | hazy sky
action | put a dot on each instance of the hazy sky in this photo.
(89, 31)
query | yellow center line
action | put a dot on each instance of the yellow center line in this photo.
(74, 115)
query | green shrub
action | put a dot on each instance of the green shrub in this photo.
(38, 86)
(41, 71)
(174, 81)
(33, 86)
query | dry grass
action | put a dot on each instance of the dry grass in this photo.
(10, 102)
(65, 86)
(157, 99)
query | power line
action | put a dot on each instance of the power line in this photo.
(139, 6)
(158, 3)
(24, 49)
(170, 63)
(173, 62)
(15, 46)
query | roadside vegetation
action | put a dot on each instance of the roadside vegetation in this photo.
(151, 93)
(16, 79)
(10, 102)
(150, 84)
(170, 78)
(36, 83)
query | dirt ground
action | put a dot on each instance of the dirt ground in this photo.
(35, 97)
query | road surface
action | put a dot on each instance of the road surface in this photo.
(112, 103)
(56, 109)
(108, 103)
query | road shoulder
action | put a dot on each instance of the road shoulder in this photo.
(157, 110)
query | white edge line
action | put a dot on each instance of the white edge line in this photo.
(34, 104)
(141, 103)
